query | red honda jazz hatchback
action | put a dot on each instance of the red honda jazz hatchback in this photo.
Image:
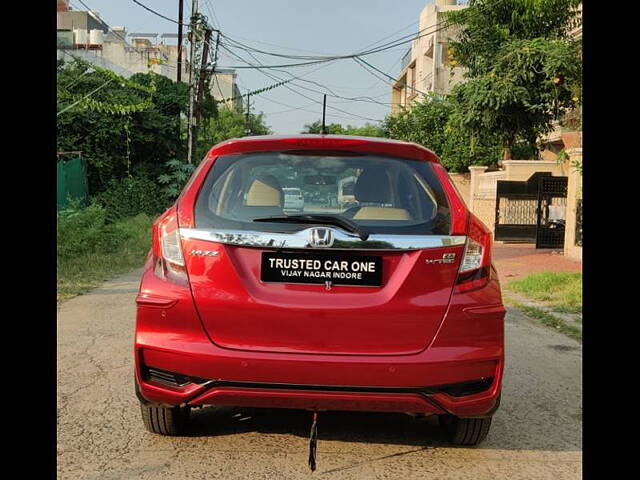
(386, 302)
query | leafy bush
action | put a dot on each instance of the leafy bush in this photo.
(176, 177)
(367, 130)
(91, 251)
(82, 231)
(130, 196)
(115, 145)
(431, 122)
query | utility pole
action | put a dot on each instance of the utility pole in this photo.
(215, 64)
(247, 127)
(324, 113)
(180, 5)
(192, 77)
(203, 73)
(215, 58)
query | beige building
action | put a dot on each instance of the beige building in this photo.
(83, 34)
(224, 86)
(426, 67)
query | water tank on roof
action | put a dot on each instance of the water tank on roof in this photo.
(96, 37)
(80, 36)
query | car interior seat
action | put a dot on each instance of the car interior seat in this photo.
(264, 198)
(374, 193)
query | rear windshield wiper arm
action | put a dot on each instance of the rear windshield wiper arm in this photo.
(345, 223)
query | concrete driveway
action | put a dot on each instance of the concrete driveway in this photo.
(536, 434)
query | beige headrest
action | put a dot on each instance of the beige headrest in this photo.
(382, 213)
(265, 191)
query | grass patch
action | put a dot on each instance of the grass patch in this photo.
(551, 321)
(562, 291)
(91, 251)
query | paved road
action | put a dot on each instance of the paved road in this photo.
(536, 433)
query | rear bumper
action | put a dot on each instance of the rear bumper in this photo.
(468, 347)
(316, 397)
(416, 385)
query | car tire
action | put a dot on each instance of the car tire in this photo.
(466, 431)
(164, 420)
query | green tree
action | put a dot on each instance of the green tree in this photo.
(424, 124)
(125, 127)
(367, 130)
(331, 128)
(228, 123)
(431, 122)
(523, 69)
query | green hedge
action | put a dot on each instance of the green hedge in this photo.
(131, 196)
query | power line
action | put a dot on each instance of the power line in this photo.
(320, 59)
(328, 59)
(291, 109)
(77, 79)
(274, 77)
(254, 92)
(85, 97)
(442, 25)
(212, 11)
(366, 99)
(301, 108)
(404, 84)
(280, 46)
(158, 14)
(310, 57)
(304, 108)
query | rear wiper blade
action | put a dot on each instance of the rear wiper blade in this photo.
(339, 221)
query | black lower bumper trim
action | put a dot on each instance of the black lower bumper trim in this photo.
(456, 389)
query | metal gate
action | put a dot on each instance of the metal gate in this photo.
(552, 205)
(531, 211)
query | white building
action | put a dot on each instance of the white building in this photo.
(426, 67)
(83, 34)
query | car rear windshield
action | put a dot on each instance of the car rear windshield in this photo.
(381, 194)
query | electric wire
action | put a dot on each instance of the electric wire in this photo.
(158, 14)
(366, 99)
(85, 97)
(274, 77)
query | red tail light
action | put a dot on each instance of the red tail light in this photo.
(167, 248)
(475, 267)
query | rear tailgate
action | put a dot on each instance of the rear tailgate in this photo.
(240, 311)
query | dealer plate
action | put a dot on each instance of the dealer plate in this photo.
(338, 269)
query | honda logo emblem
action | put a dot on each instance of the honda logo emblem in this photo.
(321, 237)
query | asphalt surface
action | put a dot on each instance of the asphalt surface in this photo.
(536, 434)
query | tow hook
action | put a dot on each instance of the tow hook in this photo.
(313, 442)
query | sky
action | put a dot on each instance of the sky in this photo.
(300, 27)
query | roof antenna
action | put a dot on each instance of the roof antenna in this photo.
(324, 111)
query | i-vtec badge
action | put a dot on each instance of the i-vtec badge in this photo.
(204, 253)
(446, 258)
